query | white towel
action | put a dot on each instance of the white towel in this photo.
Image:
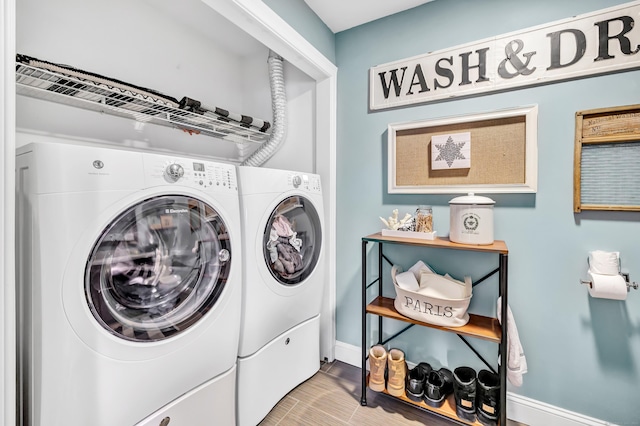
(439, 287)
(407, 281)
(419, 267)
(516, 361)
(468, 286)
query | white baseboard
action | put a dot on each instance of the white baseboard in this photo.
(348, 354)
(532, 412)
(519, 408)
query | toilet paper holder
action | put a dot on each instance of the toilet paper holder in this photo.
(630, 285)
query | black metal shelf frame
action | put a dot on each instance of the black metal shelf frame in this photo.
(501, 270)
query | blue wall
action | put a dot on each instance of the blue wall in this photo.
(583, 353)
(306, 22)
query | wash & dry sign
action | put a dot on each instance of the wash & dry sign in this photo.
(596, 43)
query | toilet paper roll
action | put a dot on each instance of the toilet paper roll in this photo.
(608, 286)
(604, 262)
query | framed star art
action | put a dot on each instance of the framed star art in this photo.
(492, 152)
(451, 151)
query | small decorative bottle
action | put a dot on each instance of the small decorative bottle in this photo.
(424, 219)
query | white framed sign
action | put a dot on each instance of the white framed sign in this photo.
(595, 43)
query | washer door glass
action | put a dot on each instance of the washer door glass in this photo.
(158, 268)
(292, 240)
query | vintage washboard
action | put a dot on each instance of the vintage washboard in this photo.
(607, 159)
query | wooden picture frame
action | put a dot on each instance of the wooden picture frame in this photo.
(606, 154)
(504, 155)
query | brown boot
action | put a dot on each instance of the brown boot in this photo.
(377, 364)
(397, 372)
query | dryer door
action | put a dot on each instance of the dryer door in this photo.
(158, 268)
(292, 240)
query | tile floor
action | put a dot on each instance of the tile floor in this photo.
(332, 398)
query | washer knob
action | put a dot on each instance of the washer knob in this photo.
(297, 180)
(174, 172)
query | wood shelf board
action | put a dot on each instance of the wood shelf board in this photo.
(448, 409)
(440, 242)
(481, 327)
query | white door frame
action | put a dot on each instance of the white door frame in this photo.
(259, 21)
(7, 211)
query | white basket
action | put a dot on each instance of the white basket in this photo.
(442, 312)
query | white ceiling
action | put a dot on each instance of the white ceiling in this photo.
(340, 15)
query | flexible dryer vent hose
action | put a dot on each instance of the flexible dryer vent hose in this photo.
(279, 106)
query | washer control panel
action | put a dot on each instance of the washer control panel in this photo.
(305, 182)
(194, 173)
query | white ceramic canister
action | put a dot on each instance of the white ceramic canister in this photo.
(471, 219)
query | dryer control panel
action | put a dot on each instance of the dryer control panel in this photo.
(196, 173)
(305, 182)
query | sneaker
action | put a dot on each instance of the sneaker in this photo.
(415, 384)
(438, 386)
(448, 378)
(488, 398)
(464, 389)
(425, 367)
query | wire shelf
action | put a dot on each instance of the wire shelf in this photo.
(51, 86)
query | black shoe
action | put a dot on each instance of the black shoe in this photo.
(438, 386)
(448, 380)
(425, 367)
(464, 389)
(488, 398)
(414, 384)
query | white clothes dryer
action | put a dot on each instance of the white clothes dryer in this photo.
(282, 222)
(129, 282)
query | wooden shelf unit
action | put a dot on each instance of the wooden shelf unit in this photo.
(480, 327)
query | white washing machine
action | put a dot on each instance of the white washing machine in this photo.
(129, 282)
(284, 282)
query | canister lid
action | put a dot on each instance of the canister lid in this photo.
(471, 198)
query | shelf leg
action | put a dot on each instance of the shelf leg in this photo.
(503, 342)
(380, 257)
(363, 397)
